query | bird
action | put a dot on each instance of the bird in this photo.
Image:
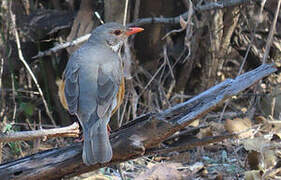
(93, 87)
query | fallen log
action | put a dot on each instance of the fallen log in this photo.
(137, 138)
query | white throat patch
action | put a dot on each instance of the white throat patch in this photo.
(116, 48)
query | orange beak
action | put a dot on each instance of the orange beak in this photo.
(133, 30)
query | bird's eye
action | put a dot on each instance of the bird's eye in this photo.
(117, 32)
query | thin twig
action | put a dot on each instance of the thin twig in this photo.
(13, 18)
(136, 9)
(271, 33)
(2, 92)
(98, 16)
(63, 46)
(185, 25)
(68, 131)
(1, 72)
(152, 78)
(125, 12)
(123, 113)
(20, 91)
(14, 96)
(3, 102)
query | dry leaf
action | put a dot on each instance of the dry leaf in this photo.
(217, 128)
(253, 158)
(270, 159)
(244, 110)
(238, 125)
(261, 155)
(260, 119)
(205, 132)
(163, 171)
(253, 175)
(255, 144)
(194, 123)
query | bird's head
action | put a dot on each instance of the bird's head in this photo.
(113, 34)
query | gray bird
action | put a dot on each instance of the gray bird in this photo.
(93, 87)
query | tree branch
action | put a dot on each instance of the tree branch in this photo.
(135, 139)
(152, 20)
(69, 131)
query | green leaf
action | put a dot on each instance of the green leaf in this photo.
(27, 108)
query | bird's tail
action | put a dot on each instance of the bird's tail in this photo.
(97, 148)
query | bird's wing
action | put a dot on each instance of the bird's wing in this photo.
(107, 88)
(71, 89)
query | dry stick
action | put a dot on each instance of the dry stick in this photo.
(63, 46)
(98, 16)
(1, 72)
(36, 142)
(125, 12)
(186, 25)
(13, 17)
(271, 33)
(152, 78)
(2, 92)
(123, 113)
(2, 99)
(188, 31)
(68, 131)
(20, 91)
(14, 96)
(173, 20)
(136, 9)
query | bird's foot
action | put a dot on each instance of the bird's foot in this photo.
(108, 130)
(79, 140)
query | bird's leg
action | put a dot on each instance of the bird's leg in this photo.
(80, 139)
(108, 129)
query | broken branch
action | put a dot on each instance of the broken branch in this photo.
(69, 131)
